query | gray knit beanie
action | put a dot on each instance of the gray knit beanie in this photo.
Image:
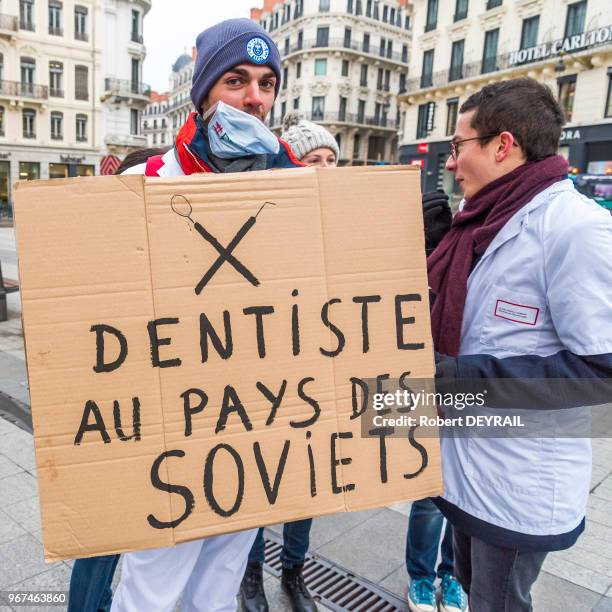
(305, 136)
(228, 44)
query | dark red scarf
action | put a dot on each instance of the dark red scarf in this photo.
(473, 230)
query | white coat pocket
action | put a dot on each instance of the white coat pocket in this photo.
(513, 321)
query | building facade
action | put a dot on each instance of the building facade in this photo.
(461, 45)
(343, 62)
(64, 102)
(155, 123)
(180, 105)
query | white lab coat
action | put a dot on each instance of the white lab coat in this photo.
(205, 573)
(543, 285)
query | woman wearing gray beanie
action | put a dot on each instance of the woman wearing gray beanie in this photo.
(312, 144)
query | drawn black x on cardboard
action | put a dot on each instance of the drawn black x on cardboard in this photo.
(181, 206)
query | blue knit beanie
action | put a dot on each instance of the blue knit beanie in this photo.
(228, 44)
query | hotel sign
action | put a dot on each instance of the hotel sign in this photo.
(570, 44)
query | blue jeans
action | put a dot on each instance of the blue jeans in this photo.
(90, 584)
(424, 530)
(296, 538)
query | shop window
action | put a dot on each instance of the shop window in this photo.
(85, 170)
(58, 171)
(29, 171)
(6, 212)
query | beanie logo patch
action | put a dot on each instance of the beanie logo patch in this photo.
(258, 50)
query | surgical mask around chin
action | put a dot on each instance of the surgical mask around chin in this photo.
(233, 133)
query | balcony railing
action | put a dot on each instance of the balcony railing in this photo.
(56, 31)
(26, 25)
(340, 43)
(338, 117)
(56, 93)
(125, 87)
(81, 36)
(24, 90)
(136, 37)
(8, 22)
(455, 73)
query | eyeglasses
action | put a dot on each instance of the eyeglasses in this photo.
(454, 149)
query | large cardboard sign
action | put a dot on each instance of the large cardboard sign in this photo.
(197, 349)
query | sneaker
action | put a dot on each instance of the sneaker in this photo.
(453, 597)
(422, 595)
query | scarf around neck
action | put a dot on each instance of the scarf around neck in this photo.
(472, 231)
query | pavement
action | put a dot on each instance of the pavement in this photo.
(370, 544)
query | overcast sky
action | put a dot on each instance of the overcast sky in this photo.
(171, 27)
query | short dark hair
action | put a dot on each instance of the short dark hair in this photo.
(139, 157)
(525, 108)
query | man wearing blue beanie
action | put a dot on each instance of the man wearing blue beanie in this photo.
(235, 81)
(236, 78)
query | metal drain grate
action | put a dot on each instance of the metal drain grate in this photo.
(334, 586)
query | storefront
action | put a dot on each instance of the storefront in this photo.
(588, 148)
(431, 157)
(21, 164)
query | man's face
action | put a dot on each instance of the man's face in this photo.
(475, 166)
(246, 87)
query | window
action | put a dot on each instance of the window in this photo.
(461, 10)
(283, 110)
(285, 77)
(425, 119)
(81, 128)
(28, 67)
(1, 67)
(389, 48)
(366, 42)
(347, 38)
(392, 16)
(55, 18)
(296, 103)
(383, 47)
(376, 14)
(136, 36)
(81, 85)
(322, 37)
(318, 107)
(356, 146)
(432, 15)
(287, 45)
(56, 75)
(342, 108)
(574, 22)
(84, 170)
(456, 65)
(58, 171)
(452, 108)
(358, 8)
(363, 78)
(323, 6)
(29, 171)
(298, 70)
(349, 6)
(135, 75)
(154, 138)
(489, 53)
(300, 40)
(385, 14)
(1, 120)
(407, 25)
(345, 68)
(369, 8)
(377, 113)
(402, 83)
(379, 79)
(567, 90)
(154, 124)
(163, 138)
(608, 109)
(493, 4)
(26, 15)
(387, 86)
(427, 70)
(29, 123)
(405, 54)
(271, 117)
(134, 122)
(57, 120)
(529, 32)
(361, 111)
(320, 67)
(299, 8)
